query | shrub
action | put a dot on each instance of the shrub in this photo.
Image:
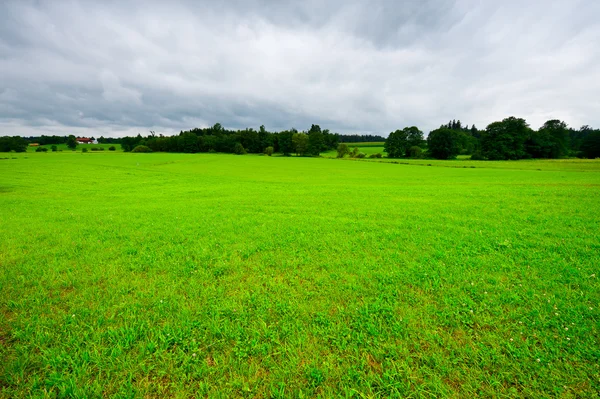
(377, 155)
(342, 150)
(212, 151)
(112, 148)
(141, 148)
(54, 148)
(269, 151)
(361, 155)
(41, 149)
(477, 156)
(415, 151)
(239, 149)
(84, 150)
(95, 149)
(354, 152)
(101, 148)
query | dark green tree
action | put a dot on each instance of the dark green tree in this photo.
(72, 142)
(505, 139)
(342, 150)
(558, 132)
(414, 138)
(285, 142)
(300, 141)
(590, 147)
(396, 144)
(316, 140)
(443, 143)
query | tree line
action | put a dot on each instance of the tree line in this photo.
(509, 139)
(218, 139)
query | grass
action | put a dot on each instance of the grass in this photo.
(64, 148)
(211, 275)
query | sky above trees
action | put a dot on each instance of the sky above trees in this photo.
(119, 68)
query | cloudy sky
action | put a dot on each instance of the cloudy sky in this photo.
(123, 67)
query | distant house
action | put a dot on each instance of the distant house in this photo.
(83, 140)
(34, 144)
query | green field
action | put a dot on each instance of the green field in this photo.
(63, 147)
(362, 147)
(209, 275)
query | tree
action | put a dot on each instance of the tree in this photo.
(72, 142)
(189, 142)
(239, 149)
(138, 148)
(316, 140)
(269, 151)
(558, 134)
(285, 142)
(506, 139)
(342, 150)
(300, 141)
(399, 142)
(54, 148)
(396, 144)
(16, 144)
(414, 138)
(415, 152)
(443, 143)
(590, 147)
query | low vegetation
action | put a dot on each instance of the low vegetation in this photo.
(179, 275)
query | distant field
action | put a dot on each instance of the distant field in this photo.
(367, 148)
(211, 275)
(64, 147)
(367, 144)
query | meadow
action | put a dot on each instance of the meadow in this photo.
(210, 275)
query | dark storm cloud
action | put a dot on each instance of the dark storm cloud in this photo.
(117, 68)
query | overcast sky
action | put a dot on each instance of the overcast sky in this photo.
(122, 67)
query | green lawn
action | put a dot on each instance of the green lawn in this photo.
(210, 275)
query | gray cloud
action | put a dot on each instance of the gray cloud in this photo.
(118, 68)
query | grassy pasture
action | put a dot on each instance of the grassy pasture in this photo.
(211, 275)
(64, 148)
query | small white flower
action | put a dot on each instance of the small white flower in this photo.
(568, 339)
(538, 360)
(73, 316)
(193, 354)
(520, 322)
(556, 314)
(567, 328)
(511, 340)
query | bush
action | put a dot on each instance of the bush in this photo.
(54, 148)
(415, 152)
(354, 152)
(112, 148)
(239, 149)
(269, 151)
(41, 149)
(477, 156)
(342, 150)
(141, 148)
(212, 151)
(378, 155)
(361, 155)
(95, 149)
(84, 150)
